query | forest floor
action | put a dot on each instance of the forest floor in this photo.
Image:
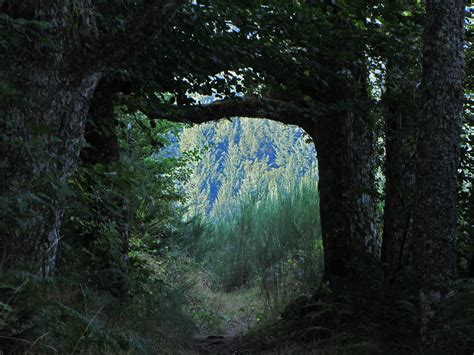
(316, 333)
(234, 323)
(234, 314)
(224, 342)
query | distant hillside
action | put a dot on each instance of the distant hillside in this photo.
(243, 156)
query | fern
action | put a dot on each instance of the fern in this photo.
(458, 313)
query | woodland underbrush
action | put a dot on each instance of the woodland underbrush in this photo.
(144, 281)
(161, 304)
(150, 282)
(270, 240)
(116, 288)
(75, 314)
(330, 322)
(218, 312)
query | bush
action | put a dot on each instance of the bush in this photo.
(274, 241)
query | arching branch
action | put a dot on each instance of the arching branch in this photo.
(281, 111)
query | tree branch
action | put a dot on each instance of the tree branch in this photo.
(276, 110)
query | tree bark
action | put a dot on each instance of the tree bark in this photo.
(101, 129)
(470, 218)
(65, 118)
(400, 135)
(276, 110)
(103, 148)
(437, 156)
(345, 146)
(54, 72)
(44, 125)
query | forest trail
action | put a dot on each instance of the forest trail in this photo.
(213, 344)
(224, 342)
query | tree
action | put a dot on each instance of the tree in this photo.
(403, 55)
(242, 157)
(344, 141)
(318, 82)
(102, 152)
(438, 156)
(55, 56)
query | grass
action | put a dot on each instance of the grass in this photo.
(218, 312)
(273, 241)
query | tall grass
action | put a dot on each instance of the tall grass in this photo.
(273, 240)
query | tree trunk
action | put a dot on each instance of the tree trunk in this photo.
(103, 148)
(470, 219)
(45, 132)
(54, 71)
(101, 129)
(437, 156)
(345, 145)
(400, 115)
(471, 264)
(43, 127)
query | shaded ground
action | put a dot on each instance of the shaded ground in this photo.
(227, 317)
(308, 326)
(226, 341)
(213, 344)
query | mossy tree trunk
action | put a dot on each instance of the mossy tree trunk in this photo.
(44, 125)
(438, 156)
(345, 143)
(400, 134)
(53, 73)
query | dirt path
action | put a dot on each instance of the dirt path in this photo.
(224, 343)
(213, 344)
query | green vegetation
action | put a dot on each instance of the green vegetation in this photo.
(108, 296)
(178, 274)
(181, 176)
(254, 208)
(272, 241)
(244, 157)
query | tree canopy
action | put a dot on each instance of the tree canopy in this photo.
(91, 92)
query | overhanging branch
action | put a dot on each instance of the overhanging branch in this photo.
(276, 110)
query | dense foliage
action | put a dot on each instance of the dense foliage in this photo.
(243, 157)
(271, 240)
(123, 232)
(252, 200)
(107, 296)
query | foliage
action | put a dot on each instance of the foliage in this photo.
(26, 204)
(247, 178)
(258, 227)
(457, 332)
(242, 157)
(272, 240)
(105, 298)
(72, 315)
(213, 310)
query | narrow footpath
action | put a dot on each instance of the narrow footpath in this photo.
(225, 342)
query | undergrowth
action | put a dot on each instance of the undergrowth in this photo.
(332, 322)
(72, 316)
(271, 240)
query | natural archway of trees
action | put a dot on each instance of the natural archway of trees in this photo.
(379, 87)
